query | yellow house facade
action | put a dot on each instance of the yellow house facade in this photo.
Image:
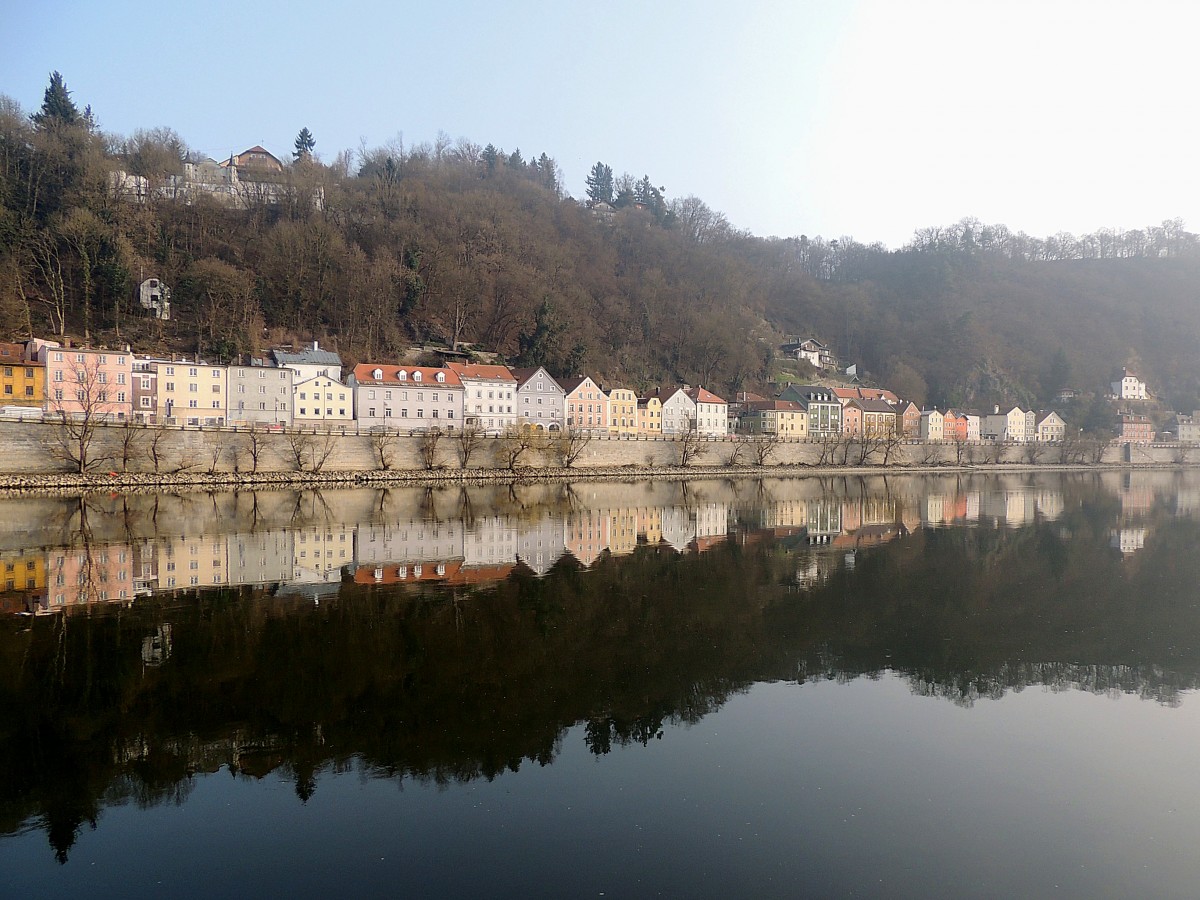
(622, 411)
(649, 415)
(22, 381)
(191, 393)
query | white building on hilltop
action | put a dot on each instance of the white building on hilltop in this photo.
(1130, 387)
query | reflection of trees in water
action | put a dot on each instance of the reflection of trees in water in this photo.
(437, 686)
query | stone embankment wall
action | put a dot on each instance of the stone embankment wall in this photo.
(33, 448)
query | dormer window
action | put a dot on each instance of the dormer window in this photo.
(377, 374)
(402, 375)
(416, 376)
(441, 376)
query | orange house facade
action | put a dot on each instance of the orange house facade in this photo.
(22, 381)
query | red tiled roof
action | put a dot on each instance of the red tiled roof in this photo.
(701, 395)
(364, 373)
(481, 372)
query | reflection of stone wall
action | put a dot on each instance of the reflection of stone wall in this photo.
(26, 448)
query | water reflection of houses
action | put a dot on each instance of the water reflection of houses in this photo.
(1128, 539)
(540, 545)
(86, 573)
(320, 551)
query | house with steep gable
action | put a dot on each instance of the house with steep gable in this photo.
(587, 404)
(678, 411)
(541, 401)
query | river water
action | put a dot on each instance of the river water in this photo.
(885, 686)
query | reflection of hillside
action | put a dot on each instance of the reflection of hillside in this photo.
(460, 686)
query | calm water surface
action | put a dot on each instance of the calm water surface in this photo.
(885, 687)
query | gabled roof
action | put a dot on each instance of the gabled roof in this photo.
(570, 385)
(476, 372)
(364, 373)
(701, 395)
(876, 406)
(1045, 414)
(524, 375)
(307, 357)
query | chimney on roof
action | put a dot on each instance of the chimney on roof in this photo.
(997, 410)
(315, 346)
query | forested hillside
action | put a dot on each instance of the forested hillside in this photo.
(453, 241)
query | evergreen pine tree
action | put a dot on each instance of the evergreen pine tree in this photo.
(600, 184)
(490, 157)
(57, 106)
(304, 144)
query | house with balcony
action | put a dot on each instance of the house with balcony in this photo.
(678, 411)
(824, 408)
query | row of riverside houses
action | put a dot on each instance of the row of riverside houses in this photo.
(305, 388)
(287, 387)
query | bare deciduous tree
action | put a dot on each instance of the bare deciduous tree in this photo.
(428, 447)
(515, 443)
(570, 443)
(467, 441)
(133, 438)
(688, 446)
(77, 419)
(255, 447)
(383, 445)
(764, 448)
(308, 451)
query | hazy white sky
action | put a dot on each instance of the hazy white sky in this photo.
(868, 118)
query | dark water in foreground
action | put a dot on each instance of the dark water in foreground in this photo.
(888, 687)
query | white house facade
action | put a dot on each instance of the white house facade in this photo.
(260, 394)
(712, 413)
(489, 395)
(678, 413)
(416, 398)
